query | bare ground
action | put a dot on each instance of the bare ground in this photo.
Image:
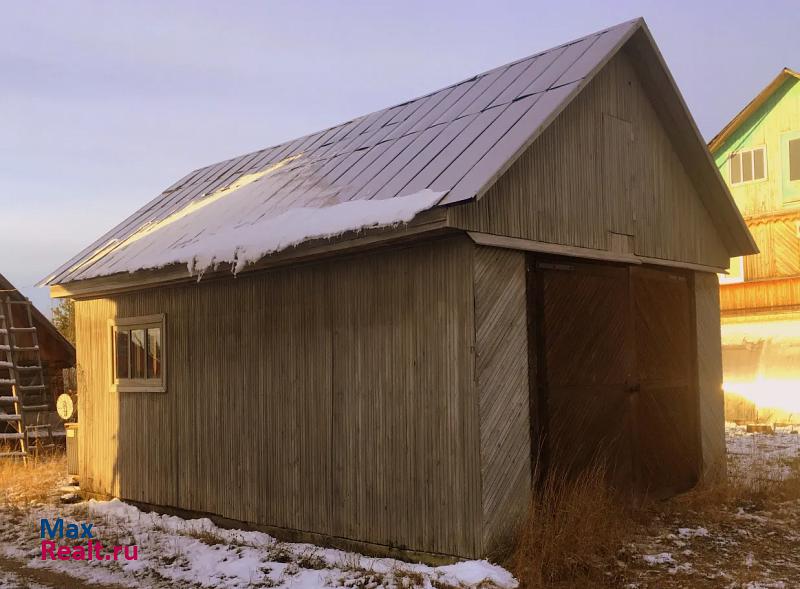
(744, 534)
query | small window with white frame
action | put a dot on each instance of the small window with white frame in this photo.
(138, 362)
(748, 165)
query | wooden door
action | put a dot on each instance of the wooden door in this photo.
(584, 367)
(614, 372)
(666, 435)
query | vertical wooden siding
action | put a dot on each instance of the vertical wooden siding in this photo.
(709, 375)
(606, 164)
(335, 398)
(501, 349)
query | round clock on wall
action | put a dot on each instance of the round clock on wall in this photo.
(65, 407)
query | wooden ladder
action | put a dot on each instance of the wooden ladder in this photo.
(31, 389)
(12, 429)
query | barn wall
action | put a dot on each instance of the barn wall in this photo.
(709, 375)
(606, 164)
(501, 349)
(336, 398)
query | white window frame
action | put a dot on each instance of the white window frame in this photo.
(752, 164)
(138, 385)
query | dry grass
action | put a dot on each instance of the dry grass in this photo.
(573, 533)
(758, 489)
(34, 482)
(578, 533)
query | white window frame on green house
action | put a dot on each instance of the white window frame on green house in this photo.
(150, 377)
(736, 162)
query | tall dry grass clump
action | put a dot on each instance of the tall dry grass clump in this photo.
(35, 481)
(574, 530)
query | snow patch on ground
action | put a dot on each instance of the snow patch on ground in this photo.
(174, 552)
(749, 546)
(660, 558)
(761, 455)
(692, 533)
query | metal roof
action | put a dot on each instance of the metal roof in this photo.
(456, 140)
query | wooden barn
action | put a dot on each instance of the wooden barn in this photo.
(372, 335)
(56, 353)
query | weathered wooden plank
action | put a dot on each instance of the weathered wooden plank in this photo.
(501, 348)
(336, 398)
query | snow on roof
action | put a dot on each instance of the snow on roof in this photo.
(455, 141)
(243, 222)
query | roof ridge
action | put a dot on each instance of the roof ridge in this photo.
(455, 139)
(431, 93)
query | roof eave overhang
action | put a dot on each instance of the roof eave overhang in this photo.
(428, 225)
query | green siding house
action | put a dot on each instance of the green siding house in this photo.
(758, 155)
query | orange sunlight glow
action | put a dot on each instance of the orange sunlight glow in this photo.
(761, 363)
(765, 393)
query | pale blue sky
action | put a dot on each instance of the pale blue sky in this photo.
(104, 104)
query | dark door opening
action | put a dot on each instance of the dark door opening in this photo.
(613, 354)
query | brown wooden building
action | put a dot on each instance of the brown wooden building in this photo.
(394, 384)
(56, 353)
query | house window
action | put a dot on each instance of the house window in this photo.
(138, 354)
(748, 165)
(794, 160)
(790, 168)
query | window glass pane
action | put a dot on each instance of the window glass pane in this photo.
(154, 352)
(122, 351)
(736, 169)
(138, 356)
(747, 166)
(794, 160)
(759, 164)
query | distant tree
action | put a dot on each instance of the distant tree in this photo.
(64, 319)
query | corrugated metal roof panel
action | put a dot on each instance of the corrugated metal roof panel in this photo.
(536, 68)
(455, 140)
(497, 158)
